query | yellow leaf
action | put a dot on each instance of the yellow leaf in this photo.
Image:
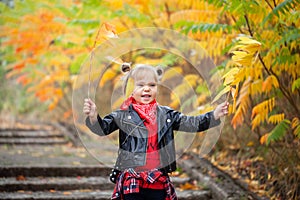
(242, 58)
(264, 138)
(260, 112)
(247, 40)
(223, 91)
(230, 76)
(264, 107)
(256, 87)
(250, 144)
(257, 120)
(275, 119)
(295, 122)
(243, 103)
(269, 82)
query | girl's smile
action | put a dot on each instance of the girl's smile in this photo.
(145, 90)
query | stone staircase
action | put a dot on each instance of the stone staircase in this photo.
(41, 164)
(32, 137)
(69, 182)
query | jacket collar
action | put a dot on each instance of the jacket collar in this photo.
(162, 121)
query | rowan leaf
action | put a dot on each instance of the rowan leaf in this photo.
(296, 85)
(278, 132)
(242, 104)
(270, 82)
(296, 126)
(229, 77)
(221, 93)
(275, 119)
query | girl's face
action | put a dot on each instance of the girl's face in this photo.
(145, 89)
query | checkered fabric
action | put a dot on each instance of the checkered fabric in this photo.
(131, 181)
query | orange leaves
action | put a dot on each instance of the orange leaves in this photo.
(264, 138)
(243, 104)
(105, 32)
(271, 81)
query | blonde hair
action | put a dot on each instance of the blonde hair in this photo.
(138, 72)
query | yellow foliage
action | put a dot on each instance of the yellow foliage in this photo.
(275, 119)
(107, 76)
(296, 126)
(244, 51)
(242, 103)
(175, 101)
(172, 72)
(192, 79)
(238, 117)
(181, 90)
(201, 99)
(295, 122)
(256, 87)
(223, 91)
(209, 16)
(271, 81)
(260, 112)
(241, 58)
(229, 77)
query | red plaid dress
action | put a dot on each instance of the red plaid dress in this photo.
(131, 181)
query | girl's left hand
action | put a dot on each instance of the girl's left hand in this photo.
(221, 110)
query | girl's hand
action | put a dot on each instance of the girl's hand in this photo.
(90, 109)
(221, 110)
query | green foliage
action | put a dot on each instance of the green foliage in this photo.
(283, 8)
(288, 36)
(296, 85)
(203, 27)
(279, 131)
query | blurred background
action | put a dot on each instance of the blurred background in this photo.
(254, 45)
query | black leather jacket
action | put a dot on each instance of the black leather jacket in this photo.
(133, 134)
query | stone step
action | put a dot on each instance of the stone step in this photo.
(30, 134)
(90, 195)
(70, 182)
(40, 183)
(57, 195)
(54, 171)
(54, 183)
(32, 141)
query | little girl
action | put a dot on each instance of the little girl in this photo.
(146, 140)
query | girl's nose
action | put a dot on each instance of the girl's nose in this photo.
(146, 88)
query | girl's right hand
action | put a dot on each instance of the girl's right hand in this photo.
(90, 109)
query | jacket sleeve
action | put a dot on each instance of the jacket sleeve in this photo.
(195, 123)
(103, 126)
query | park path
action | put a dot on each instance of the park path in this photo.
(48, 162)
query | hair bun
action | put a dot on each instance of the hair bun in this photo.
(125, 67)
(159, 71)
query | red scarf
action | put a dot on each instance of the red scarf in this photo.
(147, 113)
